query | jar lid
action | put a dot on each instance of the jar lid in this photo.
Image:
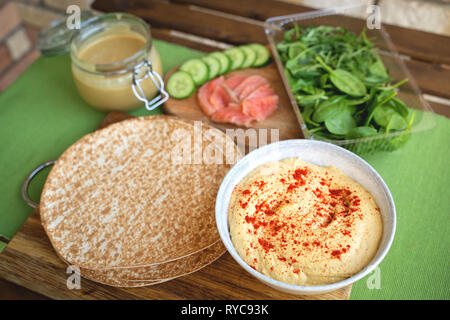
(55, 38)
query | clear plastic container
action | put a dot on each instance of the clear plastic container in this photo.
(409, 92)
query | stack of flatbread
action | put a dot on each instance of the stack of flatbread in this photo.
(133, 204)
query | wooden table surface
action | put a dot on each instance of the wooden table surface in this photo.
(209, 25)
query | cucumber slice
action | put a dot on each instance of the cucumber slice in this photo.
(197, 69)
(237, 57)
(262, 54)
(224, 61)
(213, 66)
(180, 85)
(250, 57)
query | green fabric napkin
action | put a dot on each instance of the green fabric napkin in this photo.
(41, 115)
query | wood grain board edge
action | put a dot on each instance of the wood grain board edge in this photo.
(3, 240)
(11, 291)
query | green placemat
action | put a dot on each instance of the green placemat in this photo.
(41, 115)
(418, 263)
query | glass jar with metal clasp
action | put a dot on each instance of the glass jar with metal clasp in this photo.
(115, 66)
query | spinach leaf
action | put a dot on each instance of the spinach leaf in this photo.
(377, 68)
(329, 108)
(341, 124)
(396, 123)
(307, 111)
(386, 116)
(345, 81)
(399, 106)
(361, 132)
(295, 49)
(379, 100)
(358, 101)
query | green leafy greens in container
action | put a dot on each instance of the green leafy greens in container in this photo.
(343, 88)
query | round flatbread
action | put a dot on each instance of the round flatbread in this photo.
(124, 283)
(159, 272)
(137, 193)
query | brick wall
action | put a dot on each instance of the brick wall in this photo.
(20, 22)
(39, 13)
(17, 44)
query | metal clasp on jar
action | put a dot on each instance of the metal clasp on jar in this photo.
(157, 80)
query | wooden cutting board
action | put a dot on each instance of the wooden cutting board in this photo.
(30, 261)
(283, 118)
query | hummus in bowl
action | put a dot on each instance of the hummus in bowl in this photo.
(305, 217)
(303, 224)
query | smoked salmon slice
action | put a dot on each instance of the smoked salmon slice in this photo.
(205, 93)
(234, 81)
(221, 97)
(261, 92)
(239, 99)
(259, 108)
(232, 114)
(249, 85)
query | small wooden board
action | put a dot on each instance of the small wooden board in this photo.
(283, 118)
(30, 261)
